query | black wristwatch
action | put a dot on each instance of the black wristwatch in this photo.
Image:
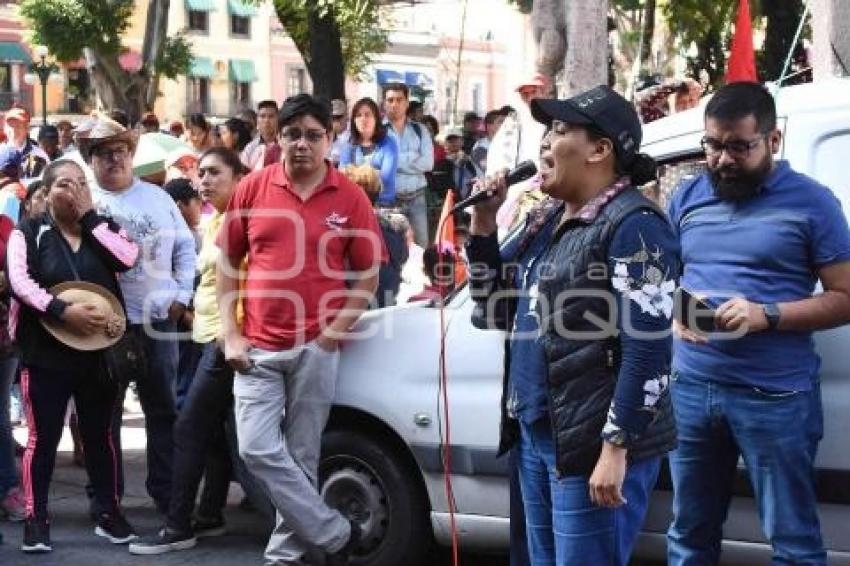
(772, 314)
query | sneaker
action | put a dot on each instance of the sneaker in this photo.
(36, 536)
(205, 528)
(341, 556)
(12, 506)
(166, 540)
(114, 526)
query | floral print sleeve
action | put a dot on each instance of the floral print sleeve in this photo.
(644, 266)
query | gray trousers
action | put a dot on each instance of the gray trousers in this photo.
(296, 387)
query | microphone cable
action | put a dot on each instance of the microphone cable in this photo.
(445, 439)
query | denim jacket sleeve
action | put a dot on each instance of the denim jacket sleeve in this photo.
(488, 285)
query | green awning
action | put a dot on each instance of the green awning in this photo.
(242, 71)
(237, 8)
(200, 5)
(13, 53)
(202, 67)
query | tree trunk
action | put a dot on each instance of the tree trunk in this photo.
(156, 28)
(648, 33)
(783, 17)
(550, 34)
(586, 65)
(325, 64)
(831, 45)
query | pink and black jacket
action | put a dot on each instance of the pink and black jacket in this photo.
(35, 261)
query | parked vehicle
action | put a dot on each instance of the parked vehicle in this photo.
(381, 454)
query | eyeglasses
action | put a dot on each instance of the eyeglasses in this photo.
(115, 153)
(292, 135)
(736, 149)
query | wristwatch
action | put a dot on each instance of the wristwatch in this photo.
(772, 314)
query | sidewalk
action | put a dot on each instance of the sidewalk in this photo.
(72, 533)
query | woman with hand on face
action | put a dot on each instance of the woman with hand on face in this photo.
(68, 243)
(371, 144)
(199, 430)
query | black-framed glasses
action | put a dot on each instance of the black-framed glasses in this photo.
(112, 153)
(292, 135)
(736, 149)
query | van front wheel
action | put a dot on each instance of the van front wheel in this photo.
(370, 484)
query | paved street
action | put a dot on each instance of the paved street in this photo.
(74, 543)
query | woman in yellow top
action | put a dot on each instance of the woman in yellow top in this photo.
(199, 430)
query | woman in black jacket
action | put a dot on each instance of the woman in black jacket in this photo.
(68, 242)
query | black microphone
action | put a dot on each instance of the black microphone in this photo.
(523, 171)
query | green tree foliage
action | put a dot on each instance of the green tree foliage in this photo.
(358, 22)
(704, 29)
(68, 27)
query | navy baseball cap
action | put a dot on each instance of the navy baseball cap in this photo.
(603, 109)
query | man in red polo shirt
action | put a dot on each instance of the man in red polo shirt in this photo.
(314, 250)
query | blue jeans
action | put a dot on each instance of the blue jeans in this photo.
(777, 435)
(8, 471)
(564, 527)
(416, 211)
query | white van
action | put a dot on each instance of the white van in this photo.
(381, 455)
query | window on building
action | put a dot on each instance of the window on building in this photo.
(199, 94)
(240, 26)
(199, 21)
(297, 82)
(5, 77)
(478, 98)
(240, 95)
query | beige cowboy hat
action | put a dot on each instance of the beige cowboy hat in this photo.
(108, 130)
(103, 300)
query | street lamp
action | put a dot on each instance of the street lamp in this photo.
(42, 70)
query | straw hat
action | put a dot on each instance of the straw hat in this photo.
(103, 300)
(108, 130)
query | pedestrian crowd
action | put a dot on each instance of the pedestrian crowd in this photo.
(214, 269)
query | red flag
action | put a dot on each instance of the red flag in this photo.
(742, 59)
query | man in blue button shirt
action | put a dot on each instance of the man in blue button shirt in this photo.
(415, 158)
(756, 236)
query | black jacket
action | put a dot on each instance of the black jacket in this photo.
(581, 373)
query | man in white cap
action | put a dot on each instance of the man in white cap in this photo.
(518, 140)
(156, 290)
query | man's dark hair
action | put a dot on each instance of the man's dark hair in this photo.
(305, 105)
(397, 87)
(438, 264)
(267, 104)
(198, 120)
(181, 190)
(48, 131)
(119, 116)
(414, 107)
(432, 124)
(471, 117)
(248, 116)
(491, 116)
(380, 128)
(737, 101)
